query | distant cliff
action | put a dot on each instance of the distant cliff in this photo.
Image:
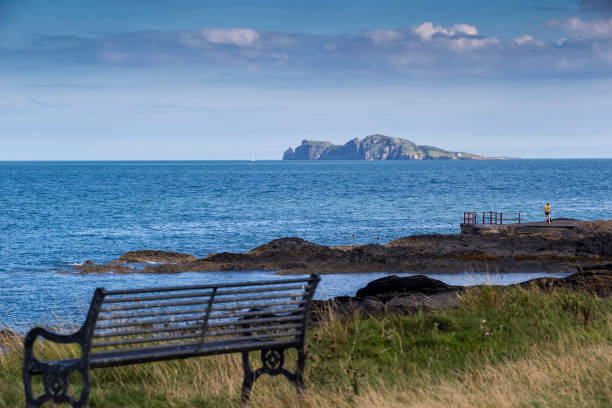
(375, 147)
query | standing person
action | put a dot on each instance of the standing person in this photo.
(547, 218)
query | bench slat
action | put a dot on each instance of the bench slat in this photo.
(128, 333)
(195, 311)
(165, 352)
(155, 339)
(152, 339)
(197, 294)
(202, 301)
(147, 331)
(257, 305)
(256, 321)
(211, 286)
(252, 329)
(195, 318)
(296, 310)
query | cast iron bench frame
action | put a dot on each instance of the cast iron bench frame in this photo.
(234, 317)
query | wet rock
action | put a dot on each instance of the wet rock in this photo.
(396, 285)
(542, 250)
(104, 268)
(156, 256)
(407, 304)
(286, 244)
(597, 279)
(394, 294)
(372, 305)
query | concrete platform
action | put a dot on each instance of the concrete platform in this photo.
(522, 228)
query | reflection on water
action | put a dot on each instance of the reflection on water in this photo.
(52, 299)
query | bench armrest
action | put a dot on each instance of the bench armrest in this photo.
(49, 335)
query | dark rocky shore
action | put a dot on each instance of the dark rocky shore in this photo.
(394, 294)
(509, 250)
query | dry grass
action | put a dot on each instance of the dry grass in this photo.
(501, 348)
(570, 378)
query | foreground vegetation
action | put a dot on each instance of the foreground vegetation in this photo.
(501, 348)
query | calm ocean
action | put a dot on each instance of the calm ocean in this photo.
(59, 213)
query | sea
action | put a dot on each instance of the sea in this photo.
(54, 215)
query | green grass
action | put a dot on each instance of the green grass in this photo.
(429, 359)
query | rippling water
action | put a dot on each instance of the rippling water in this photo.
(56, 214)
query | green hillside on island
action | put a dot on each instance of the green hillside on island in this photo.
(376, 147)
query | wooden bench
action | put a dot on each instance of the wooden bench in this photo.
(155, 324)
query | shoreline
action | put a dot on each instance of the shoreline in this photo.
(507, 251)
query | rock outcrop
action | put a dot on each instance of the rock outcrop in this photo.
(113, 267)
(596, 279)
(395, 285)
(375, 147)
(394, 294)
(156, 256)
(554, 250)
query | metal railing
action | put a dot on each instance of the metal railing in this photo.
(469, 217)
(492, 217)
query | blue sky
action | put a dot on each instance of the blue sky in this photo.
(222, 80)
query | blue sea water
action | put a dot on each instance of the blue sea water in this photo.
(58, 213)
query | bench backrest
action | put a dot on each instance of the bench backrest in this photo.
(274, 312)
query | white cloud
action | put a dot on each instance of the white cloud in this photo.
(427, 30)
(465, 29)
(425, 49)
(595, 29)
(242, 37)
(527, 40)
(523, 40)
(383, 36)
(469, 44)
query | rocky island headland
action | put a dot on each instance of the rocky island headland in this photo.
(559, 247)
(376, 147)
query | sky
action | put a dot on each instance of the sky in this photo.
(223, 80)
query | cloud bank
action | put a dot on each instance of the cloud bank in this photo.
(596, 5)
(426, 49)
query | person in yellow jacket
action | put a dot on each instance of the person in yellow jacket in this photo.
(547, 218)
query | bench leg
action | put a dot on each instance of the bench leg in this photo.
(250, 377)
(56, 383)
(299, 374)
(273, 361)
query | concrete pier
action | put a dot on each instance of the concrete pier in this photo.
(522, 228)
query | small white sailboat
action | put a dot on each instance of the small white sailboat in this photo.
(252, 157)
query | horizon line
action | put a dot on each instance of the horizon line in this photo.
(281, 160)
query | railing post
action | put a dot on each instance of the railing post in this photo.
(501, 218)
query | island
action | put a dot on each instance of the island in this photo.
(376, 147)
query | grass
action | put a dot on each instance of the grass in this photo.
(500, 348)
